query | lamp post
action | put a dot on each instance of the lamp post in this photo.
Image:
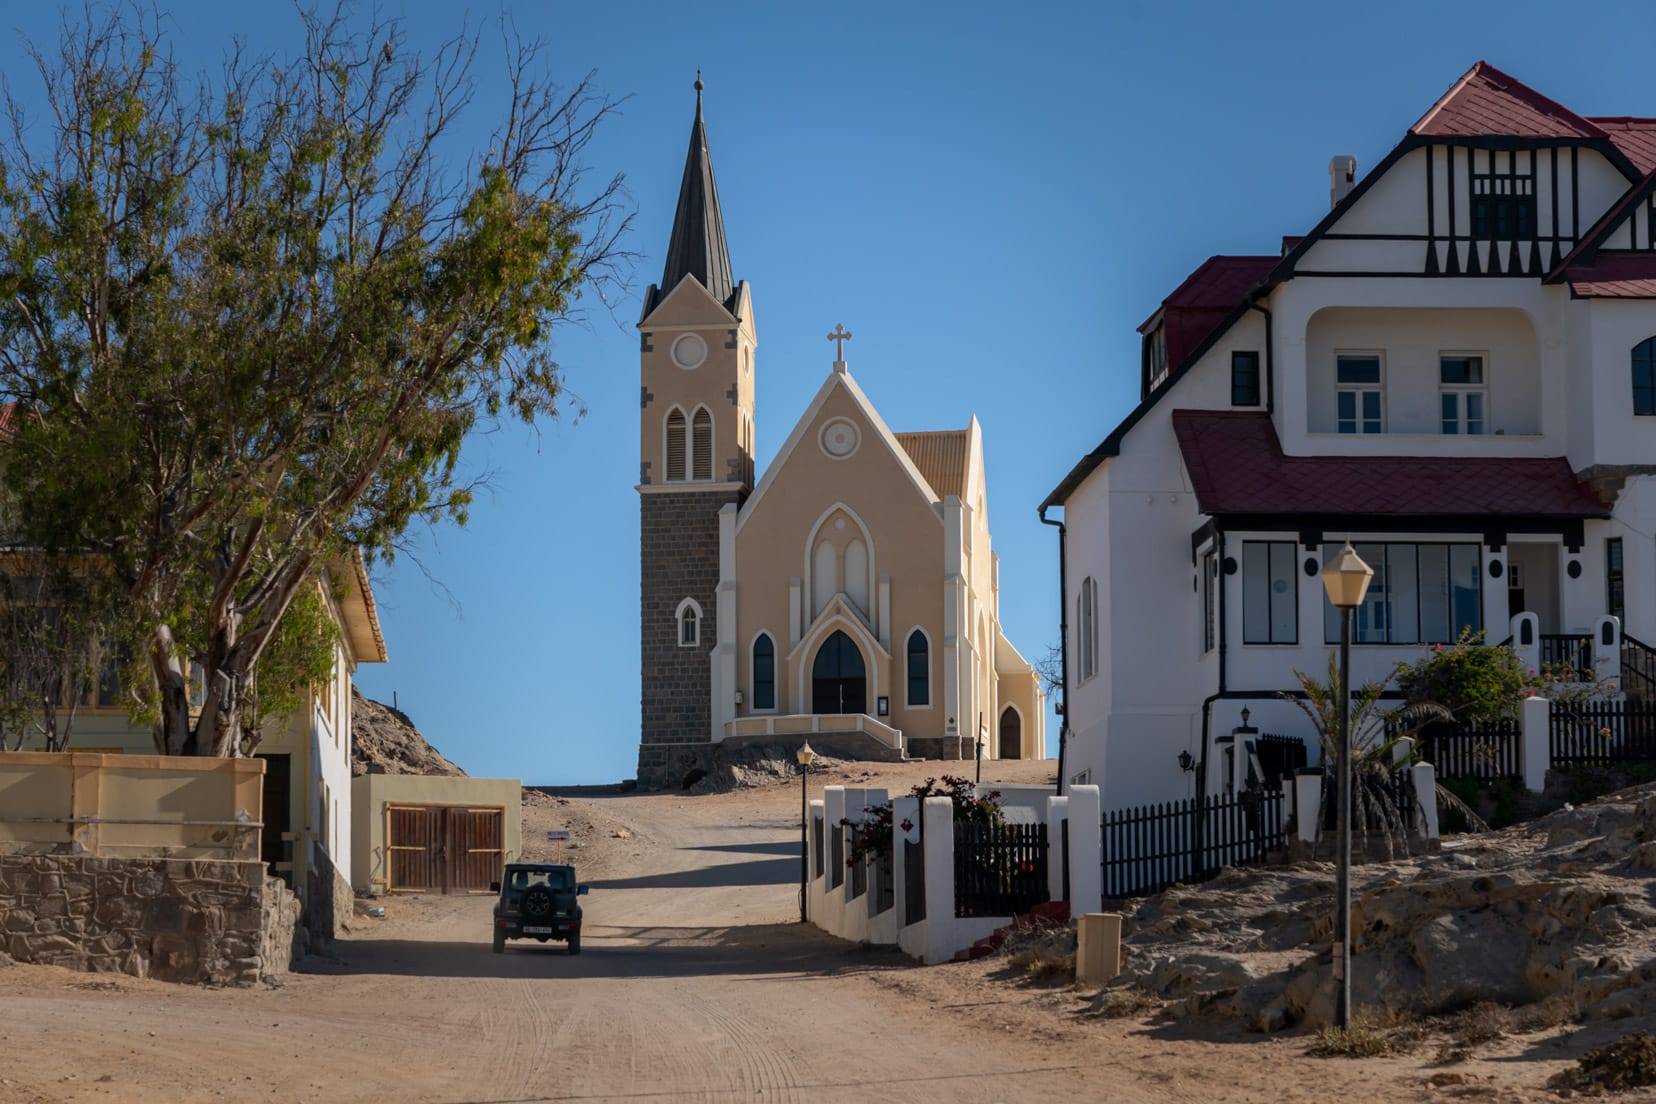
(805, 756)
(1346, 578)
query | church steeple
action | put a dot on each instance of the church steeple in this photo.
(697, 247)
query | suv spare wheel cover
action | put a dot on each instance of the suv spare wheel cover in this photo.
(537, 901)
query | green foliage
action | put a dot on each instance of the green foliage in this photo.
(256, 321)
(1477, 683)
(1353, 1041)
(299, 661)
(871, 836)
(969, 808)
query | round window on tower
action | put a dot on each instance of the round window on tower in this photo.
(689, 351)
(840, 438)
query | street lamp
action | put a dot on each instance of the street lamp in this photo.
(805, 756)
(1346, 578)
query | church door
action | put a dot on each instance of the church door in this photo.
(839, 682)
(1011, 734)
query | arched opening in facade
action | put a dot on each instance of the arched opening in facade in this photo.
(839, 680)
(1011, 734)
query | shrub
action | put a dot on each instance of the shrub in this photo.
(1474, 681)
(1627, 1063)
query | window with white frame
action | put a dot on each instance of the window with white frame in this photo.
(689, 623)
(1086, 620)
(701, 445)
(1463, 393)
(673, 442)
(1360, 393)
(764, 672)
(1270, 594)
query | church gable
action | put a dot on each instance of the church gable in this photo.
(687, 304)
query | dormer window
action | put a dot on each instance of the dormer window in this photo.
(1155, 358)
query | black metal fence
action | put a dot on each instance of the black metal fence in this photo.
(1279, 756)
(914, 882)
(1484, 751)
(883, 883)
(1149, 848)
(1000, 869)
(1381, 802)
(1572, 650)
(1603, 733)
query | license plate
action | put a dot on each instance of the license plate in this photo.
(537, 931)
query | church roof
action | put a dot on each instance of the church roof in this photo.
(697, 245)
(942, 456)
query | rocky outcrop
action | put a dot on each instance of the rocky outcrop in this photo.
(1557, 910)
(385, 741)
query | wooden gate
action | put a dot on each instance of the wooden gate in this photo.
(444, 849)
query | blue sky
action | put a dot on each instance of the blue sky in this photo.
(990, 196)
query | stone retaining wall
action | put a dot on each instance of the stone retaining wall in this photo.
(225, 923)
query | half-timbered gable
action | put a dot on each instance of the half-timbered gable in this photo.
(1455, 369)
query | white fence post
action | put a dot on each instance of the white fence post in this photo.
(1086, 847)
(819, 842)
(1308, 783)
(1403, 750)
(1607, 650)
(874, 799)
(1425, 787)
(1057, 814)
(938, 839)
(1526, 640)
(1535, 742)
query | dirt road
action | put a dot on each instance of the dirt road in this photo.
(696, 983)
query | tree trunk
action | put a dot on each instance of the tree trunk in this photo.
(173, 687)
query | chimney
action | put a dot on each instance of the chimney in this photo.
(1342, 173)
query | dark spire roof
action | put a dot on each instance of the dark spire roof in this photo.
(697, 246)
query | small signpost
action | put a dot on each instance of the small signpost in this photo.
(559, 836)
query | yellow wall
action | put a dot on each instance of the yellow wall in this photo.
(371, 793)
(130, 805)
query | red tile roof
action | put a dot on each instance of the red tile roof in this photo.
(1614, 276)
(1237, 467)
(1634, 136)
(1198, 306)
(1487, 101)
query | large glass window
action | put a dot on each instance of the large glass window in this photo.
(1463, 393)
(1644, 377)
(1420, 594)
(1359, 393)
(1087, 627)
(1270, 596)
(764, 672)
(919, 669)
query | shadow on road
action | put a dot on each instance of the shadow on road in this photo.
(759, 872)
(617, 952)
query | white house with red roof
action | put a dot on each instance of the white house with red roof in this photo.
(1455, 369)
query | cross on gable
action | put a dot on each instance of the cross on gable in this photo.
(839, 337)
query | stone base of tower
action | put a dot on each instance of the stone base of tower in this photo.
(672, 766)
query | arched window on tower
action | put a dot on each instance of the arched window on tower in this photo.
(764, 672)
(701, 442)
(689, 623)
(919, 669)
(675, 445)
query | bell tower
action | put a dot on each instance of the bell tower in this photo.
(695, 443)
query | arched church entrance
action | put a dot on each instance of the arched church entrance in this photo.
(839, 682)
(1011, 734)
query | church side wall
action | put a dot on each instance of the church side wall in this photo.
(679, 552)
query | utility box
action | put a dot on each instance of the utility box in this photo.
(1098, 949)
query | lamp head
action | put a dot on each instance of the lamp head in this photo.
(805, 755)
(1187, 762)
(1346, 578)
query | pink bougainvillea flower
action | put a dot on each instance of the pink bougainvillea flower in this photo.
(907, 825)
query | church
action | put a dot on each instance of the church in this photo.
(850, 596)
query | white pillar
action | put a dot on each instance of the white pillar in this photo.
(1607, 650)
(1308, 804)
(1526, 640)
(1535, 742)
(1217, 772)
(938, 840)
(1239, 769)
(724, 650)
(1425, 785)
(1057, 813)
(833, 811)
(1086, 843)
(1403, 750)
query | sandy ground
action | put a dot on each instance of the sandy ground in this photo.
(696, 983)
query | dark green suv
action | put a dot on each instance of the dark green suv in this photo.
(537, 901)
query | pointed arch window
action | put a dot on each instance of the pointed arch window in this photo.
(919, 669)
(675, 445)
(701, 445)
(764, 672)
(1644, 377)
(856, 574)
(689, 623)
